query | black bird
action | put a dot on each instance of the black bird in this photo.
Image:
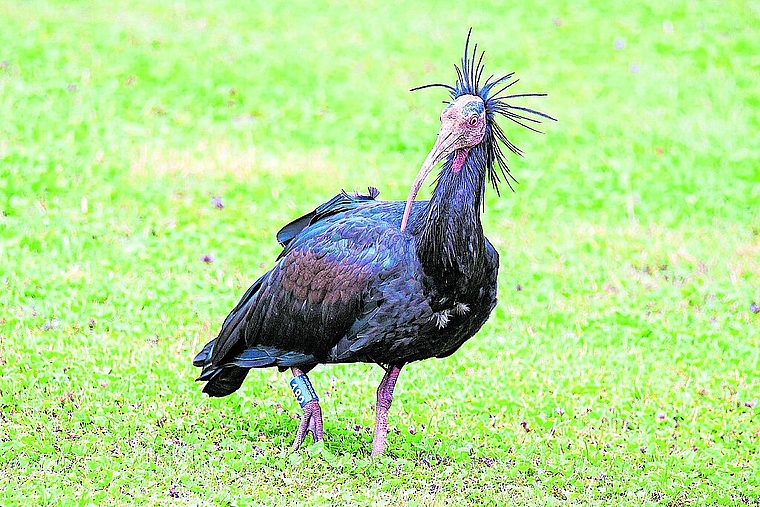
(385, 282)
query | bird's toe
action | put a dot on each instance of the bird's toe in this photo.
(311, 422)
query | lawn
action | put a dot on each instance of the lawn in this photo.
(149, 152)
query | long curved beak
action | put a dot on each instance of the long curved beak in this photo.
(441, 149)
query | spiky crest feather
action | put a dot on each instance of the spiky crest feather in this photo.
(469, 75)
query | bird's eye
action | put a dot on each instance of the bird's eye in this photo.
(472, 121)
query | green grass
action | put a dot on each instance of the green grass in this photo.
(624, 372)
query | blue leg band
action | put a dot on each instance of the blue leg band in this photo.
(303, 390)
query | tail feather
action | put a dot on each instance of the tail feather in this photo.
(224, 381)
(226, 378)
(204, 355)
(263, 356)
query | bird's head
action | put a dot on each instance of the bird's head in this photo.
(463, 125)
(469, 120)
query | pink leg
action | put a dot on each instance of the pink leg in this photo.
(384, 400)
(311, 420)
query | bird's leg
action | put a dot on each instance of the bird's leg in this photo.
(312, 412)
(384, 400)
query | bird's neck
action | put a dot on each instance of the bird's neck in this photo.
(449, 234)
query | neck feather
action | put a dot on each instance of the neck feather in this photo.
(449, 234)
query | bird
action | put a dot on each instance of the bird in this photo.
(383, 282)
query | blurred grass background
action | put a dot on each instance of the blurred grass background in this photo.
(630, 351)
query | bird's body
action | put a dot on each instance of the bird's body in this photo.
(362, 280)
(348, 287)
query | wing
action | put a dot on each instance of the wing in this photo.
(341, 202)
(324, 283)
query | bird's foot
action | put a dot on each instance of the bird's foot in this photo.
(311, 422)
